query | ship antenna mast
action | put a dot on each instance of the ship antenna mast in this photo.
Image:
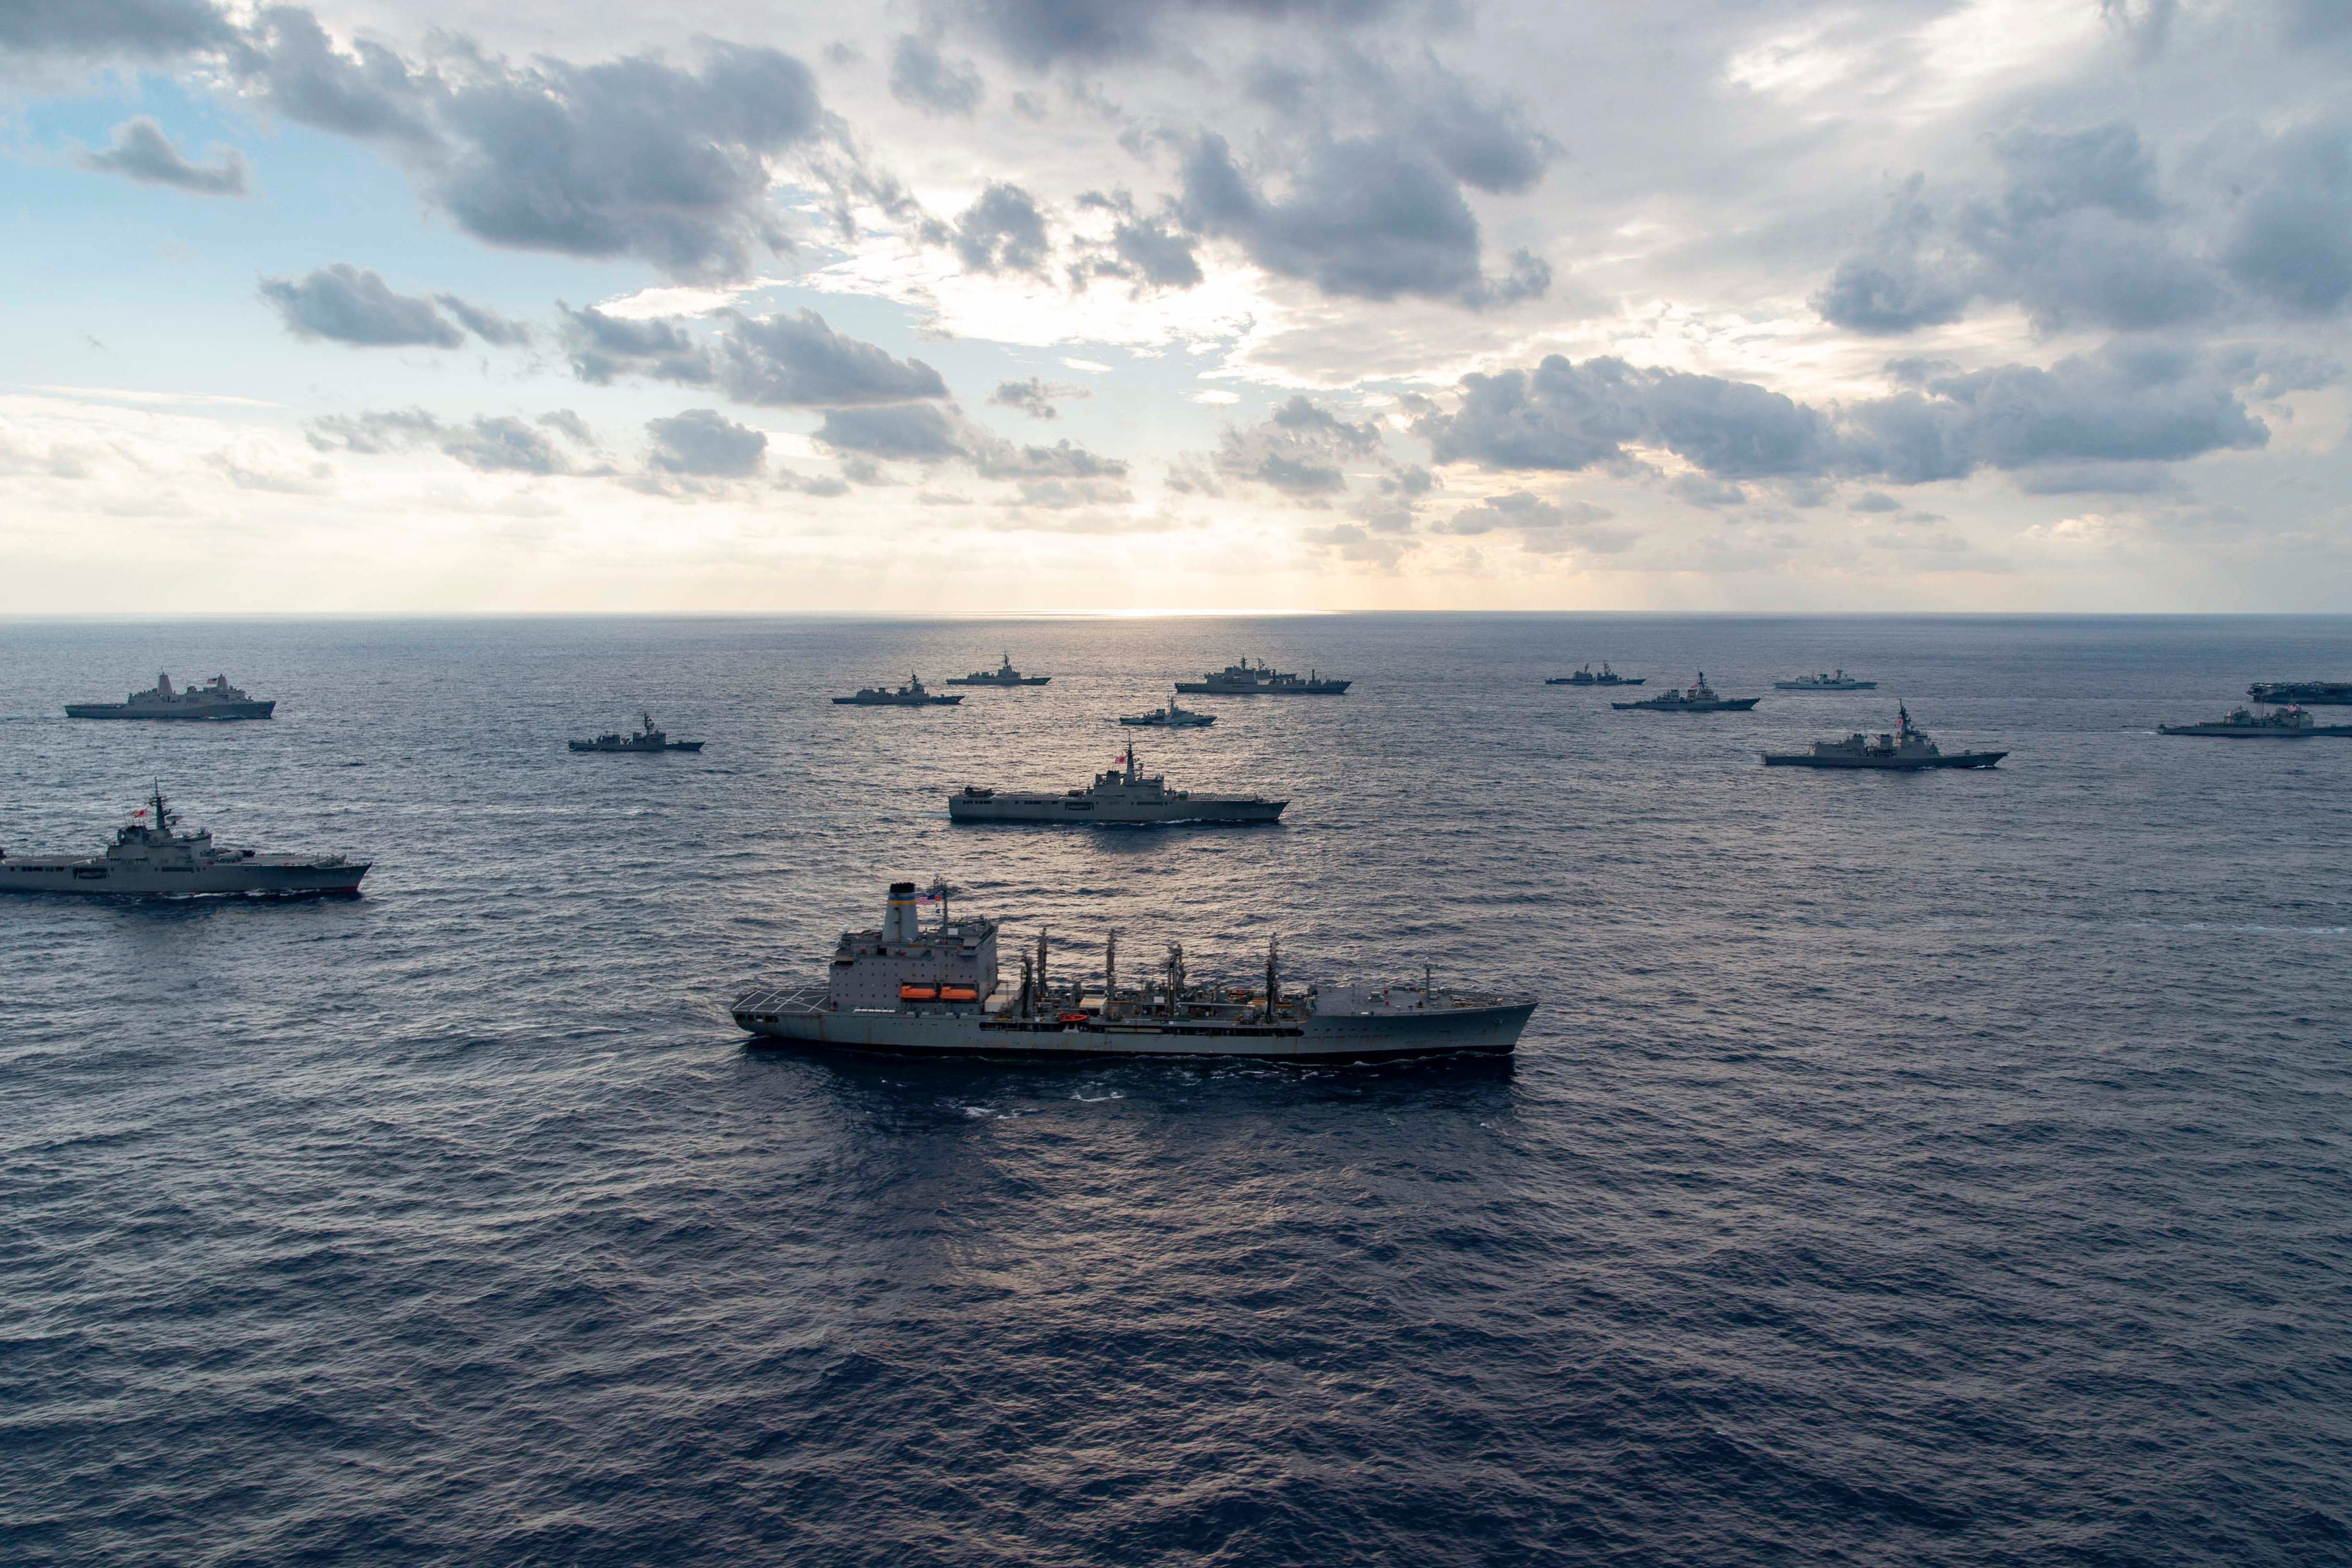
(1110, 974)
(1273, 974)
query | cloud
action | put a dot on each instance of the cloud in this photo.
(1150, 252)
(918, 430)
(1056, 478)
(140, 151)
(1002, 231)
(1874, 501)
(2291, 240)
(922, 78)
(703, 443)
(1545, 527)
(2136, 400)
(1300, 449)
(1040, 33)
(771, 362)
(499, 444)
(150, 29)
(488, 325)
(1353, 542)
(1368, 217)
(1701, 491)
(352, 305)
(1036, 396)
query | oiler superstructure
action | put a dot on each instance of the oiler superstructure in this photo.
(937, 990)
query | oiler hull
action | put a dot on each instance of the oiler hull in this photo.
(1347, 1036)
(96, 877)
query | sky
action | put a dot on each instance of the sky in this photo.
(1089, 306)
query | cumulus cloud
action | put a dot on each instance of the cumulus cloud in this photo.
(2133, 401)
(922, 78)
(490, 444)
(772, 361)
(704, 444)
(140, 151)
(352, 305)
(1054, 477)
(1150, 252)
(1354, 542)
(1039, 34)
(1370, 218)
(1002, 231)
(1036, 396)
(94, 29)
(1301, 449)
(484, 323)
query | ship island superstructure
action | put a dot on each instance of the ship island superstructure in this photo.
(148, 858)
(213, 700)
(937, 989)
(1121, 795)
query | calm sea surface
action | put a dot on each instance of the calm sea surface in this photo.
(1948, 1168)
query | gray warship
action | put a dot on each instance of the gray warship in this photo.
(1699, 697)
(646, 737)
(1827, 681)
(1120, 796)
(2244, 724)
(914, 693)
(1908, 749)
(148, 859)
(215, 700)
(1585, 677)
(935, 990)
(1169, 717)
(2320, 694)
(1248, 680)
(1004, 675)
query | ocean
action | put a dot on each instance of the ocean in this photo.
(1943, 1169)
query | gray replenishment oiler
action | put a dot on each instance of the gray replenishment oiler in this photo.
(2244, 724)
(1248, 680)
(646, 737)
(914, 693)
(1827, 681)
(1699, 698)
(908, 989)
(1004, 675)
(1120, 796)
(215, 700)
(1585, 677)
(1907, 750)
(1169, 717)
(148, 859)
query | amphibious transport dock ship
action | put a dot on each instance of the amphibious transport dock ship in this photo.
(935, 990)
(1907, 749)
(215, 700)
(1120, 796)
(1248, 680)
(147, 859)
(2244, 724)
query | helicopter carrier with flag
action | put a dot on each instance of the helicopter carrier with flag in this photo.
(937, 989)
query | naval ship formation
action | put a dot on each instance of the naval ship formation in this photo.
(937, 991)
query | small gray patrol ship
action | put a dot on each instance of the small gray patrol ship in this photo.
(1169, 717)
(148, 859)
(1827, 681)
(1699, 697)
(1004, 675)
(1248, 680)
(1120, 796)
(215, 700)
(2244, 724)
(1585, 677)
(1907, 749)
(936, 991)
(914, 693)
(646, 737)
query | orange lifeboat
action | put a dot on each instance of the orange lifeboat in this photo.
(1073, 1018)
(958, 994)
(919, 993)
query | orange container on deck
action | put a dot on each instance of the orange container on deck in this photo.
(919, 993)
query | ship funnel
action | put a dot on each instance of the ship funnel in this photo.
(899, 922)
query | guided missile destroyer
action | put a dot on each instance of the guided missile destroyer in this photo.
(1120, 796)
(935, 990)
(148, 859)
(646, 737)
(1699, 697)
(215, 700)
(1004, 675)
(1908, 749)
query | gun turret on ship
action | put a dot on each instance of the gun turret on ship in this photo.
(1248, 680)
(149, 859)
(1120, 796)
(937, 990)
(213, 700)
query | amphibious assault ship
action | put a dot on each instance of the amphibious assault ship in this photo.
(1699, 698)
(2320, 694)
(215, 699)
(936, 990)
(1248, 680)
(644, 739)
(2244, 724)
(914, 693)
(1120, 796)
(148, 859)
(1908, 749)
(1585, 677)
(1827, 681)
(1004, 675)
